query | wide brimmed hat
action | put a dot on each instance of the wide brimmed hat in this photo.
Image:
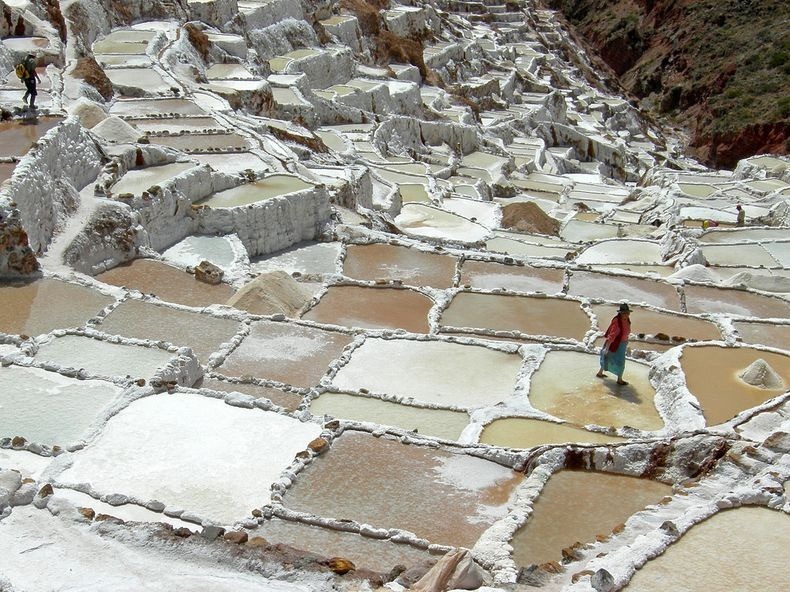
(624, 308)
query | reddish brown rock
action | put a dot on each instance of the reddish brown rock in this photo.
(236, 537)
(340, 566)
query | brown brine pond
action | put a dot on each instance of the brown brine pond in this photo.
(712, 375)
(523, 432)
(562, 517)
(43, 305)
(622, 288)
(17, 136)
(704, 299)
(529, 315)
(413, 267)
(565, 386)
(166, 283)
(285, 399)
(447, 498)
(373, 308)
(712, 555)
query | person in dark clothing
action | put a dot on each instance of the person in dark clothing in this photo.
(30, 80)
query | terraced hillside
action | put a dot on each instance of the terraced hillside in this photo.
(720, 68)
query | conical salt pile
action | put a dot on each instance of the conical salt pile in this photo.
(760, 374)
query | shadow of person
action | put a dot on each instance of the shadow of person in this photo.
(626, 392)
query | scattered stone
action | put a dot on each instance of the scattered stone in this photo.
(340, 566)
(208, 273)
(602, 581)
(236, 537)
(18, 441)
(212, 532)
(257, 513)
(319, 445)
(182, 532)
(670, 528)
(258, 542)
(88, 513)
(455, 570)
(46, 491)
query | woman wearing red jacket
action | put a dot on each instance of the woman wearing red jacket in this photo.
(616, 340)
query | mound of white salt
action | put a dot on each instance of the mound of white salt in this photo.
(694, 273)
(767, 283)
(116, 130)
(270, 293)
(760, 374)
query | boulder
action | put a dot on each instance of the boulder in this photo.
(208, 273)
(455, 571)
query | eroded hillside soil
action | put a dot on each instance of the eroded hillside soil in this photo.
(719, 67)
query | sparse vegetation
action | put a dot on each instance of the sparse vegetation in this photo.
(719, 67)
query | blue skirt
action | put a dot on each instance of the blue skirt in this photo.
(614, 362)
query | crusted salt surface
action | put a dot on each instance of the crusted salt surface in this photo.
(174, 470)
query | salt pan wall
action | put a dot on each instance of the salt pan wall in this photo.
(45, 186)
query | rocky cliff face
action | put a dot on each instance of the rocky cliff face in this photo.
(719, 67)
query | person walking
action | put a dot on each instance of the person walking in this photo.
(30, 79)
(615, 342)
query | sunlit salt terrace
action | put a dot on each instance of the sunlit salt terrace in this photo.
(271, 320)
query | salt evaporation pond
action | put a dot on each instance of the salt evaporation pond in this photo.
(517, 248)
(565, 386)
(194, 249)
(231, 163)
(16, 138)
(285, 399)
(652, 322)
(423, 220)
(384, 470)
(704, 299)
(373, 308)
(143, 107)
(304, 258)
(175, 125)
(728, 541)
(391, 262)
(137, 81)
(104, 358)
(286, 352)
(143, 320)
(621, 251)
(485, 275)
(47, 408)
(438, 423)
(529, 315)
(267, 188)
(448, 374)
(522, 432)
(43, 305)
(562, 517)
(764, 333)
(6, 171)
(173, 470)
(166, 283)
(136, 181)
(712, 375)
(202, 142)
(363, 552)
(624, 289)
(750, 255)
(745, 234)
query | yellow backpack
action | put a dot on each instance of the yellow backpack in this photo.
(21, 71)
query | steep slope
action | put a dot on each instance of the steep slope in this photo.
(719, 67)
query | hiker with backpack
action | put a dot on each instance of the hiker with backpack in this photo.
(26, 71)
